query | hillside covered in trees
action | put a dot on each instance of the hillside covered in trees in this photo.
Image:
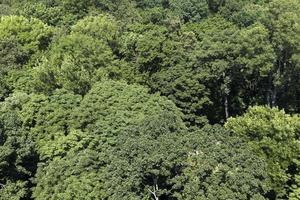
(149, 99)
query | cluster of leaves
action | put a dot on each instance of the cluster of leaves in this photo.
(274, 136)
(112, 99)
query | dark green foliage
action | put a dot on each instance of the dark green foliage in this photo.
(18, 157)
(220, 166)
(230, 55)
(145, 162)
(5, 9)
(12, 57)
(166, 66)
(191, 10)
(185, 88)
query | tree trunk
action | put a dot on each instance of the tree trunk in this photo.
(226, 109)
(274, 96)
(269, 93)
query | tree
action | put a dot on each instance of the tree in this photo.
(220, 166)
(295, 188)
(185, 87)
(18, 157)
(101, 27)
(152, 161)
(191, 10)
(75, 62)
(111, 107)
(12, 57)
(113, 117)
(143, 45)
(229, 55)
(247, 14)
(274, 136)
(48, 118)
(76, 176)
(282, 20)
(32, 34)
(21, 38)
(166, 66)
(151, 3)
(50, 14)
(136, 148)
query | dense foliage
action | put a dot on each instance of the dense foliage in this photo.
(149, 99)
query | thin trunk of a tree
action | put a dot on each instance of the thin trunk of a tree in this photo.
(226, 109)
(269, 93)
(274, 97)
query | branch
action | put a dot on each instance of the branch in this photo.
(154, 194)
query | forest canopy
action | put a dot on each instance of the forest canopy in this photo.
(149, 99)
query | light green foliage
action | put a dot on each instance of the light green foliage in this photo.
(295, 193)
(274, 136)
(111, 107)
(101, 27)
(14, 190)
(61, 13)
(31, 33)
(74, 62)
(53, 15)
(49, 120)
(61, 144)
(20, 39)
(76, 176)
